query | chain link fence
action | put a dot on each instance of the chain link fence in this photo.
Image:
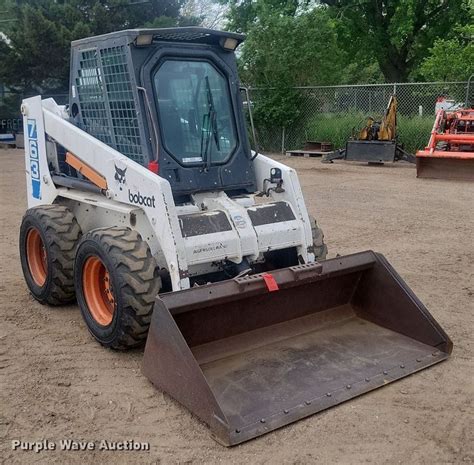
(323, 114)
(334, 113)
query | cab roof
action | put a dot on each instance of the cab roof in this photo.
(199, 35)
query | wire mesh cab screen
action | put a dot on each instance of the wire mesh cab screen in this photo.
(106, 100)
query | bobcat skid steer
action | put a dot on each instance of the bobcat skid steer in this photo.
(148, 205)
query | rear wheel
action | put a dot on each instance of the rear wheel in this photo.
(319, 247)
(48, 238)
(116, 280)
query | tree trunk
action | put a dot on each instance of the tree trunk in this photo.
(394, 67)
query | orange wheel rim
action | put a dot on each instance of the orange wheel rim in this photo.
(98, 291)
(36, 257)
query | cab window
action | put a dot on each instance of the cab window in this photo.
(195, 112)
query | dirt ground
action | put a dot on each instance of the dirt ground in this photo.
(57, 383)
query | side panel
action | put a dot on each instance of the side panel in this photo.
(95, 211)
(292, 194)
(40, 187)
(127, 182)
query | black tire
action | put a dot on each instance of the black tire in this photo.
(319, 247)
(133, 283)
(58, 231)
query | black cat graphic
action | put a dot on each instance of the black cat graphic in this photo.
(120, 175)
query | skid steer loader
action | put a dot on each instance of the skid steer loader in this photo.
(148, 205)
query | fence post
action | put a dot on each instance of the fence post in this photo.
(283, 140)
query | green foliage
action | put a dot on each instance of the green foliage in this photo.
(277, 107)
(414, 132)
(7, 17)
(293, 43)
(244, 15)
(166, 21)
(283, 51)
(451, 59)
(397, 33)
(10, 106)
(376, 38)
(36, 55)
(335, 128)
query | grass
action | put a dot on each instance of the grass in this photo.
(335, 128)
(413, 132)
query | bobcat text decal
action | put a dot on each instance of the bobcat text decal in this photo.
(139, 199)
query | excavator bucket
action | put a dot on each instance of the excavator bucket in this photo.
(255, 353)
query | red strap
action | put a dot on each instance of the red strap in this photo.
(270, 282)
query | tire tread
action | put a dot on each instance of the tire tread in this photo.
(139, 281)
(62, 233)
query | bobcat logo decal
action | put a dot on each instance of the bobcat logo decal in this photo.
(120, 175)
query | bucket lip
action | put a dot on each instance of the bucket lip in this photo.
(311, 406)
(240, 288)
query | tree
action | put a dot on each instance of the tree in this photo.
(35, 56)
(397, 33)
(211, 13)
(6, 15)
(283, 51)
(244, 14)
(450, 59)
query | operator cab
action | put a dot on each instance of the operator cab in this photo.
(169, 99)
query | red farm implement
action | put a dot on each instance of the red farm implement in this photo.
(450, 150)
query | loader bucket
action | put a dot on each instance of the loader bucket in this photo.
(438, 164)
(252, 354)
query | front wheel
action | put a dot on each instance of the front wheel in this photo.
(116, 283)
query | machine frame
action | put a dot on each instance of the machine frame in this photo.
(144, 201)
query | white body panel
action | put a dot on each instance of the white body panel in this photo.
(293, 195)
(143, 201)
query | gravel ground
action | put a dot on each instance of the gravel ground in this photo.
(57, 383)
